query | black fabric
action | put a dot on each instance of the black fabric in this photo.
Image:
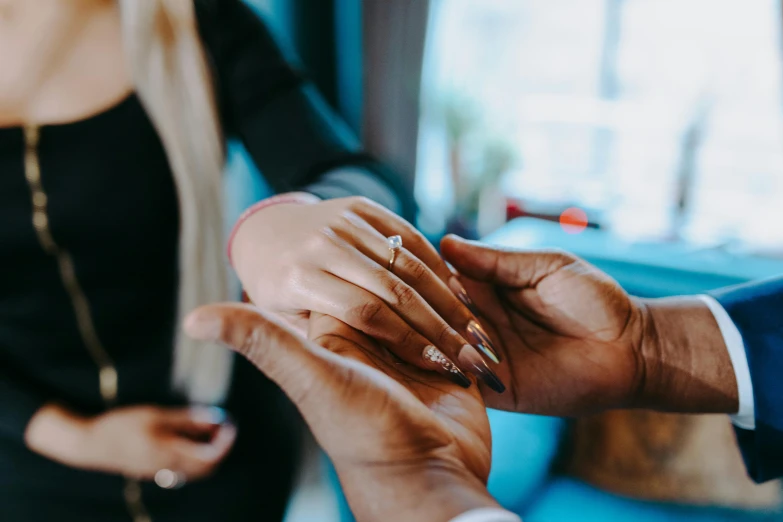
(112, 205)
(289, 130)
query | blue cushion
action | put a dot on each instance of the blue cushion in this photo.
(566, 500)
(523, 447)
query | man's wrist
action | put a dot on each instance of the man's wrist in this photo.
(413, 493)
(686, 364)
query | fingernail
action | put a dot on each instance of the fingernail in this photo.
(482, 341)
(446, 367)
(202, 326)
(462, 294)
(470, 359)
(208, 414)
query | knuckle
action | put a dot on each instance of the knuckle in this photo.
(408, 337)
(446, 335)
(562, 259)
(327, 340)
(416, 241)
(417, 270)
(345, 220)
(561, 256)
(367, 312)
(403, 294)
(333, 343)
(324, 238)
(357, 202)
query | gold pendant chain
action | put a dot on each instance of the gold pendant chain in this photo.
(107, 371)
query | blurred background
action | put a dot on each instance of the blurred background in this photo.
(660, 118)
(644, 135)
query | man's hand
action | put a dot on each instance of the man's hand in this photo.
(407, 444)
(574, 342)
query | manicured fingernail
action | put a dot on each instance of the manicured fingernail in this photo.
(470, 359)
(208, 414)
(445, 366)
(482, 341)
(462, 294)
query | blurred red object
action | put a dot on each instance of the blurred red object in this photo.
(516, 208)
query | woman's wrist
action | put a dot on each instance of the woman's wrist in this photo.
(59, 434)
(430, 493)
(298, 198)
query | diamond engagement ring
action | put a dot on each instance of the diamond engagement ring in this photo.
(395, 244)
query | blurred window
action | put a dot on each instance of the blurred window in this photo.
(661, 118)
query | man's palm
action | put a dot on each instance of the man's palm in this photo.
(421, 414)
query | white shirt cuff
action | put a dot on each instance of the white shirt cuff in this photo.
(487, 515)
(746, 416)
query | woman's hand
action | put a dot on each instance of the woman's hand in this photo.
(332, 257)
(407, 444)
(136, 442)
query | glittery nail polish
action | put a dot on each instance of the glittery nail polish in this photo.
(482, 341)
(445, 366)
(470, 359)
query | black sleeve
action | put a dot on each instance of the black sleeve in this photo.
(293, 136)
(18, 404)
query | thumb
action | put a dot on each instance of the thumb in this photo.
(502, 266)
(308, 374)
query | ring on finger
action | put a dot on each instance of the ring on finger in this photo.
(395, 244)
(168, 479)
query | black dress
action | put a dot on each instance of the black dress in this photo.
(112, 206)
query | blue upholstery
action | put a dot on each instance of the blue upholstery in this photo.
(569, 500)
(523, 447)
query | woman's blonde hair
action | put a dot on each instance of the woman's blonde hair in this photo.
(173, 81)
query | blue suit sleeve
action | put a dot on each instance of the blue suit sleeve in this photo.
(757, 310)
